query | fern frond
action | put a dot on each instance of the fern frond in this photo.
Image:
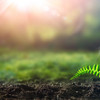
(87, 69)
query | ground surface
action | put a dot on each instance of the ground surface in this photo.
(43, 66)
(50, 91)
(25, 65)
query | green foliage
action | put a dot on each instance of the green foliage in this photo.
(36, 65)
(87, 69)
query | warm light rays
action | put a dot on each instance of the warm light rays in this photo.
(4, 4)
(24, 5)
(46, 17)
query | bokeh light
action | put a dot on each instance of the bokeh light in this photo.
(24, 20)
(24, 5)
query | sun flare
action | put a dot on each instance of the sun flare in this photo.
(29, 4)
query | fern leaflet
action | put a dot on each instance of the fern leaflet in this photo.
(87, 69)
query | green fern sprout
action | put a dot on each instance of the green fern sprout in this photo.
(87, 69)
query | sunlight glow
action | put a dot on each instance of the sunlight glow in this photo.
(24, 5)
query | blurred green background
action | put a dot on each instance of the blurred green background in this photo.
(43, 65)
(50, 41)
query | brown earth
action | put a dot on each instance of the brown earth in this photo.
(50, 91)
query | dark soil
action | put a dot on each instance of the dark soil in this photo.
(50, 91)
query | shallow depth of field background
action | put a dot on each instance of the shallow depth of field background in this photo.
(47, 39)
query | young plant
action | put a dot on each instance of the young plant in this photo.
(87, 69)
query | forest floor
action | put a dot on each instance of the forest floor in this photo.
(29, 65)
(50, 91)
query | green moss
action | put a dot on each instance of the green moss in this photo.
(22, 65)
